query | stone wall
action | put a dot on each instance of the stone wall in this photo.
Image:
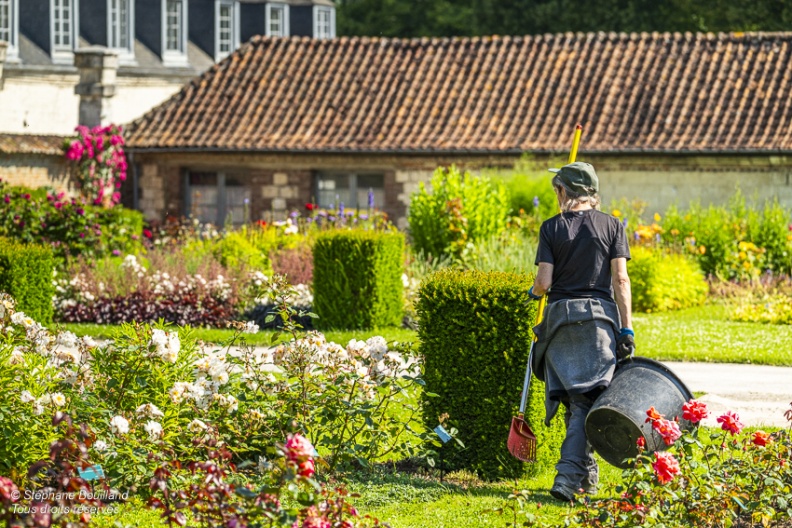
(284, 182)
(35, 170)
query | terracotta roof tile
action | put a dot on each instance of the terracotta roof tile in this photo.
(31, 144)
(632, 93)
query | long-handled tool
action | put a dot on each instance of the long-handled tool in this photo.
(522, 441)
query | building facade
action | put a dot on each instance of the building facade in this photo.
(668, 118)
(160, 45)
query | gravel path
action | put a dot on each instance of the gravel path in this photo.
(759, 394)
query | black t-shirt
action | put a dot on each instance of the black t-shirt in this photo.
(580, 245)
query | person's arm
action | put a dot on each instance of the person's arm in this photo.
(544, 279)
(621, 290)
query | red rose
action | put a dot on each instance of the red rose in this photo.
(760, 438)
(310, 206)
(694, 411)
(147, 233)
(666, 467)
(653, 415)
(668, 429)
(641, 442)
(731, 422)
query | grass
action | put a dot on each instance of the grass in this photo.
(697, 334)
(264, 338)
(706, 334)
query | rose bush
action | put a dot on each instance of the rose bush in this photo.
(733, 479)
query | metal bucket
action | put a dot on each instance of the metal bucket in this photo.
(618, 417)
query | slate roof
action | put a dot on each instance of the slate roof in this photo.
(50, 145)
(632, 93)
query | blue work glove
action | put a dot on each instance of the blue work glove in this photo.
(532, 295)
(625, 344)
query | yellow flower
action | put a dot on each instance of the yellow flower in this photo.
(675, 232)
(702, 249)
(616, 213)
(657, 217)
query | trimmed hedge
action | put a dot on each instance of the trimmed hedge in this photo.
(662, 282)
(26, 275)
(475, 331)
(357, 279)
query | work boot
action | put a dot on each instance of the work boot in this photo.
(562, 491)
(589, 488)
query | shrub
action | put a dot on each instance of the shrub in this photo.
(460, 210)
(664, 281)
(26, 274)
(358, 279)
(475, 330)
(294, 263)
(69, 227)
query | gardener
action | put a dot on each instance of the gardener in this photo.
(582, 259)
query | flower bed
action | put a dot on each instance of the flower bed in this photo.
(172, 418)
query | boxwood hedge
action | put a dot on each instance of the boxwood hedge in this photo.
(357, 279)
(475, 331)
(26, 274)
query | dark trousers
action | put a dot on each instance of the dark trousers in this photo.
(577, 467)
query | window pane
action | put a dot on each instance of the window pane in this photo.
(225, 29)
(276, 21)
(374, 184)
(332, 190)
(5, 20)
(173, 27)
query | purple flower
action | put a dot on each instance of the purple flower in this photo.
(294, 214)
(331, 218)
(536, 201)
(364, 216)
(624, 222)
(371, 198)
(341, 209)
(7, 199)
(82, 235)
(80, 211)
(116, 252)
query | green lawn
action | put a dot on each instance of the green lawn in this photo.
(706, 334)
(697, 334)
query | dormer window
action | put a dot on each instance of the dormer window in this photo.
(121, 27)
(226, 28)
(324, 22)
(63, 28)
(277, 23)
(174, 32)
(9, 27)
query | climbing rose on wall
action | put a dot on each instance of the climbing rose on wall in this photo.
(98, 163)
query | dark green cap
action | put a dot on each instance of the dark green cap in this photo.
(579, 177)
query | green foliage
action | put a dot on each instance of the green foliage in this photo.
(512, 251)
(733, 241)
(26, 274)
(529, 182)
(663, 281)
(476, 332)
(70, 227)
(358, 278)
(405, 18)
(460, 210)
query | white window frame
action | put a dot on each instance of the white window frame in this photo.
(331, 12)
(234, 5)
(175, 57)
(12, 51)
(286, 22)
(62, 54)
(125, 54)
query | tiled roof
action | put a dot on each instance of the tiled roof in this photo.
(31, 144)
(632, 93)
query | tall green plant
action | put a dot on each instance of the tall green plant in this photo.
(358, 279)
(460, 210)
(475, 334)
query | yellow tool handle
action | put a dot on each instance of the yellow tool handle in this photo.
(572, 157)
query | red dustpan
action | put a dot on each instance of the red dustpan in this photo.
(522, 441)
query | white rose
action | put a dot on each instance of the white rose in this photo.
(26, 397)
(196, 426)
(100, 445)
(153, 429)
(119, 425)
(58, 399)
(250, 328)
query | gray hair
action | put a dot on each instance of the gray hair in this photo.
(573, 199)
